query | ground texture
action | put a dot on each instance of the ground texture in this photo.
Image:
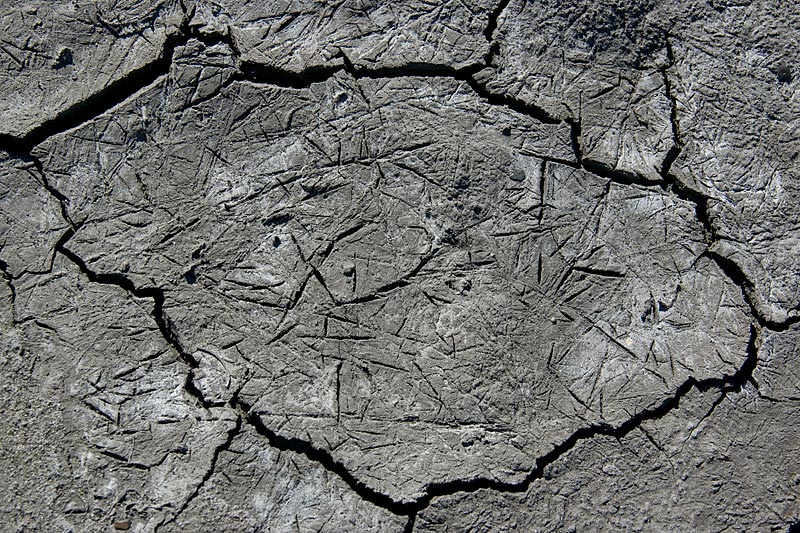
(400, 266)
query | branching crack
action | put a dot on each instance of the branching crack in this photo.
(165, 326)
(122, 89)
(405, 508)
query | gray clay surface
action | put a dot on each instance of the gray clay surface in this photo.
(399, 266)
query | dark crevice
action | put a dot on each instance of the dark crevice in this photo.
(701, 201)
(113, 94)
(412, 519)
(55, 193)
(491, 27)
(124, 88)
(669, 182)
(494, 18)
(466, 74)
(165, 326)
(117, 91)
(325, 459)
(223, 446)
(672, 154)
(272, 75)
(511, 102)
(733, 271)
(677, 143)
(9, 281)
(575, 136)
(18, 152)
(616, 175)
(725, 384)
(417, 70)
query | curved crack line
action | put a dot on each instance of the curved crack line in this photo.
(433, 490)
(222, 447)
(726, 384)
(122, 89)
(491, 27)
(165, 326)
(110, 96)
(118, 93)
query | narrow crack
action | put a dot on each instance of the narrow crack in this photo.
(165, 327)
(270, 75)
(733, 271)
(122, 89)
(677, 144)
(434, 490)
(223, 446)
(324, 459)
(725, 384)
(9, 281)
(728, 266)
(491, 27)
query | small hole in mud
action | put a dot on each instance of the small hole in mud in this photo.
(507, 131)
(449, 236)
(784, 73)
(276, 241)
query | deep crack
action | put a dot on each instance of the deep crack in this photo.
(724, 384)
(324, 459)
(121, 90)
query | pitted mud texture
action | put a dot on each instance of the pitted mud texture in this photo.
(400, 266)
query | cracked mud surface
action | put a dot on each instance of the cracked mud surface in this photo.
(463, 266)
